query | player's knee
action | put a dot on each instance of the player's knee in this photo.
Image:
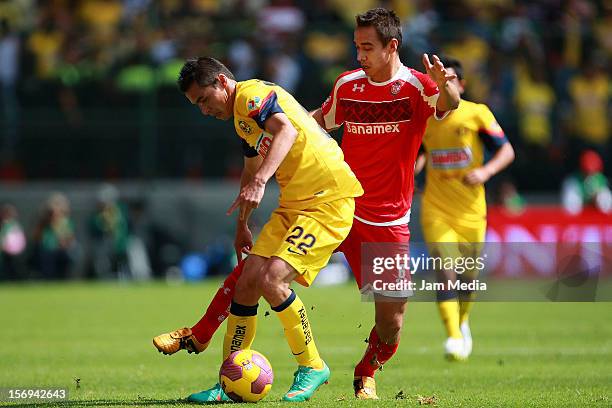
(390, 319)
(272, 278)
(390, 323)
(466, 295)
(444, 295)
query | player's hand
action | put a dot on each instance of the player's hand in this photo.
(477, 176)
(249, 198)
(436, 71)
(243, 242)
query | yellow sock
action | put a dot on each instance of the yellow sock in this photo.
(465, 306)
(449, 311)
(240, 330)
(292, 314)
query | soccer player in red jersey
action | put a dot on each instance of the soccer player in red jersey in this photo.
(384, 107)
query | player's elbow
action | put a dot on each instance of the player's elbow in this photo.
(510, 155)
(455, 103)
(447, 104)
(290, 133)
(286, 135)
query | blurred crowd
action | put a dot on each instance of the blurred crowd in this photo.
(109, 237)
(51, 249)
(84, 82)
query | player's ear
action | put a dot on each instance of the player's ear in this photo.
(222, 80)
(393, 45)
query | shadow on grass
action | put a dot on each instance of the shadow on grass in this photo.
(102, 403)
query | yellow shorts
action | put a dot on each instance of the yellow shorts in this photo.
(306, 239)
(447, 239)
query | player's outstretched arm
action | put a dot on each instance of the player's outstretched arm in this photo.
(449, 94)
(500, 160)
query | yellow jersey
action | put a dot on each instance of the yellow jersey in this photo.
(591, 98)
(314, 170)
(455, 146)
(535, 102)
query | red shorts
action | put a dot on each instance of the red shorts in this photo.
(364, 233)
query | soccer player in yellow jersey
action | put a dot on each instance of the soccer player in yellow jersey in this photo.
(315, 213)
(453, 207)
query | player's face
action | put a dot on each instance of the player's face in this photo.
(212, 100)
(375, 59)
(460, 84)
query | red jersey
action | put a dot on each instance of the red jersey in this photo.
(383, 128)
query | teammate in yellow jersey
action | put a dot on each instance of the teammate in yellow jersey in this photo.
(315, 213)
(453, 207)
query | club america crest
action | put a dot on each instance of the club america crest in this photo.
(244, 126)
(396, 87)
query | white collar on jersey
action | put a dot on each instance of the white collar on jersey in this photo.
(400, 72)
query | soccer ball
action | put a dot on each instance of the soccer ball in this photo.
(246, 376)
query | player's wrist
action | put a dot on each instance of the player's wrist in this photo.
(259, 180)
(442, 83)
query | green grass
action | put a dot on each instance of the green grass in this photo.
(526, 354)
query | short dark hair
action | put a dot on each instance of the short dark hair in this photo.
(454, 63)
(385, 21)
(203, 71)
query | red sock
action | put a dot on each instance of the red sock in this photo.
(219, 307)
(377, 354)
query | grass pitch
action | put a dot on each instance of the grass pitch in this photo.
(95, 339)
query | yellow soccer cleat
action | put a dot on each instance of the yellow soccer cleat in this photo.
(170, 343)
(365, 388)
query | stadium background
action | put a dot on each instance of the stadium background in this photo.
(89, 97)
(108, 174)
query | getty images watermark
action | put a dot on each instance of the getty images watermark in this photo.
(402, 263)
(494, 271)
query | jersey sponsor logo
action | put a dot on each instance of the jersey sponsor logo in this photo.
(396, 87)
(254, 104)
(238, 338)
(358, 87)
(451, 158)
(245, 127)
(372, 129)
(263, 144)
(305, 326)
